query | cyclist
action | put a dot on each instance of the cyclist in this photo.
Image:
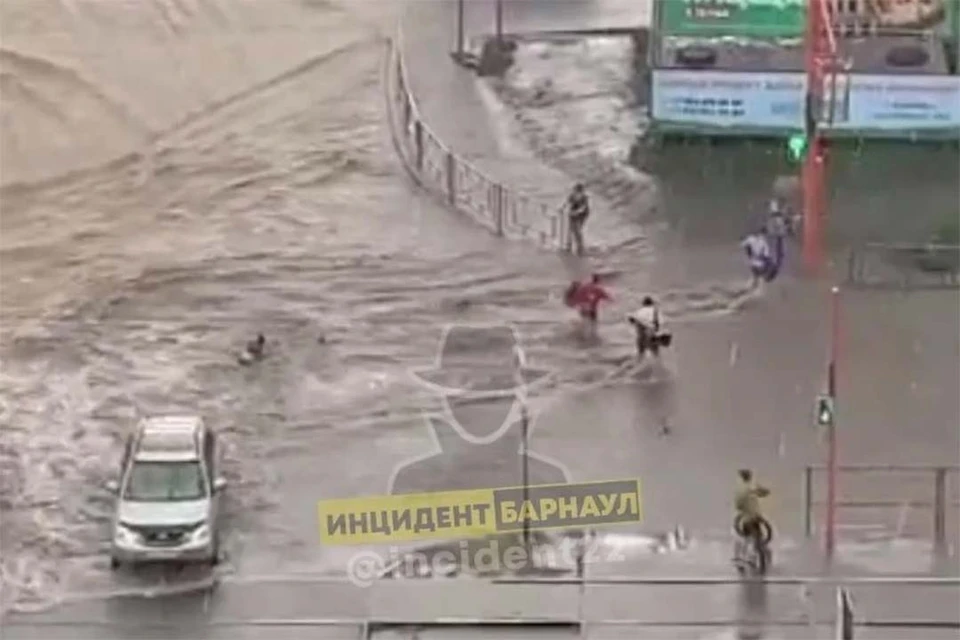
(749, 521)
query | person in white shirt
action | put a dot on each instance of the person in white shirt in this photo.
(777, 229)
(646, 322)
(758, 256)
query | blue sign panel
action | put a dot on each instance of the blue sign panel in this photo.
(729, 99)
(740, 100)
(902, 102)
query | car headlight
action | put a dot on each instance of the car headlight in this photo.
(201, 534)
(124, 536)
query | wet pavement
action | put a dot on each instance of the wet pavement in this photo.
(326, 238)
(285, 606)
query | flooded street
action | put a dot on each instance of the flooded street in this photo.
(262, 195)
(179, 175)
(573, 102)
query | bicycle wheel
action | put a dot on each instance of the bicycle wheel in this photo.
(766, 531)
(738, 524)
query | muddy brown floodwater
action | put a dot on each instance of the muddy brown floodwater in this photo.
(180, 175)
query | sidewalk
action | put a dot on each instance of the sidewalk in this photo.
(687, 585)
(457, 108)
(469, 119)
(694, 585)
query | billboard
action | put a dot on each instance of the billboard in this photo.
(903, 102)
(774, 101)
(722, 99)
(743, 18)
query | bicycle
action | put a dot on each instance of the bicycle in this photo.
(752, 555)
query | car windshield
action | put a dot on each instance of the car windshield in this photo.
(165, 482)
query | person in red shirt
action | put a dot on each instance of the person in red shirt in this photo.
(586, 297)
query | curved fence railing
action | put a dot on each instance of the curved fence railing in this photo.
(459, 183)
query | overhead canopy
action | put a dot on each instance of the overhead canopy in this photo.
(743, 18)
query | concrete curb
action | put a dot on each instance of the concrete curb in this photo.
(546, 35)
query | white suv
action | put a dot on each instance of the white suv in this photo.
(168, 494)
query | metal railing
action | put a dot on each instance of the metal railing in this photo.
(891, 506)
(460, 184)
(905, 266)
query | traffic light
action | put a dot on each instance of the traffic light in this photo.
(798, 144)
(797, 147)
(824, 411)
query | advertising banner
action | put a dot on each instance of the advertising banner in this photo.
(902, 102)
(737, 18)
(770, 101)
(729, 99)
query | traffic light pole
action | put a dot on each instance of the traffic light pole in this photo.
(821, 52)
(830, 520)
(812, 168)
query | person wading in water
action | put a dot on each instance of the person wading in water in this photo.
(586, 297)
(578, 210)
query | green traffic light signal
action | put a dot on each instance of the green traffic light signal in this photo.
(797, 146)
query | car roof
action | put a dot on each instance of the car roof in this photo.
(169, 438)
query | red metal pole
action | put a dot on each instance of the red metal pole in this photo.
(813, 166)
(830, 520)
(812, 208)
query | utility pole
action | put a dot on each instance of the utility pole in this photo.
(499, 22)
